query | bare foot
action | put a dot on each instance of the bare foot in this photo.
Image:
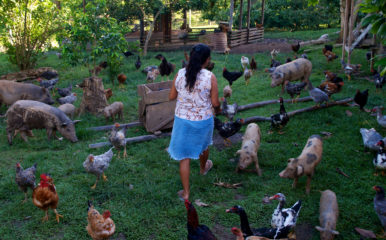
(208, 166)
(182, 196)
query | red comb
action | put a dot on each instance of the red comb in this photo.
(117, 125)
(106, 214)
(43, 177)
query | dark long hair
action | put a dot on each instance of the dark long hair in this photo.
(198, 55)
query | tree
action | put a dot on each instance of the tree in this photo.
(27, 28)
(92, 34)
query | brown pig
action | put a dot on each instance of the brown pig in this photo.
(249, 148)
(305, 164)
(25, 115)
(11, 92)
(116, 108)
(298, 69)
(328, 215)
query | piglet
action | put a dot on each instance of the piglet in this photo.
(305, 164)
(116, 108)
(328, 215)
(249, 148)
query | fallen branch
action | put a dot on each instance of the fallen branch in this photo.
(132, 140)
(263, 103)
(341, 172)
(109, 127)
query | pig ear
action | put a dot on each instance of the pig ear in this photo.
(320, 229)
(76, 121)
(334, 232)
(299, 170)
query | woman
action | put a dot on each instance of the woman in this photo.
(195, 89)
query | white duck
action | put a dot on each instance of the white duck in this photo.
(371, 138)
(381, 119)
(380, 159)
(284, 217)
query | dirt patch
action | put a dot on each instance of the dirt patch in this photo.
(304, 231)
(222, 232)
(267, 45)
(218, 141)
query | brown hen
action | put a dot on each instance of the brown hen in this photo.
(121, 79)
(99, 226)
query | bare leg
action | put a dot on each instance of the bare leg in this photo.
(295, 183)
(57, 215)
(184, 174)
(203, 159)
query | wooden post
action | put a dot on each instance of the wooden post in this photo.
(262, 12)
(185, 19)
(84, 6)
(350, 33)
(248, 19)
(345, 29)
(231, 9)
(241, 15)
(342, 18)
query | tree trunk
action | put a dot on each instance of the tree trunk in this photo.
(94, 98)
(262, 12)
(185, 19)
(84, 6)
(241, 15)
(346, 18)
(231, 9)
(350, 30)
(248, 19)
(342, 17)
(150, 32)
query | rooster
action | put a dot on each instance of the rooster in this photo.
(195, 230)
(138, 63)
(121, 79)
(98, 164)
(247, 75)
(45, 196)
(227, 129)
(253, 64)
(99, 226)
(330, 56)
(25, 178)
(228, 110)
(118, 139)
(332, 87)
(166, 68)
(279, 120)
(63, 92)
(108, 93)
(360, 98)
(231, 76)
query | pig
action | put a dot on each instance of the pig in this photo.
(11, 92)
(298, 69)
(116, 108)
(68, 109)
(25, 115)
(305, 164)
(328, 215)
(249, 147)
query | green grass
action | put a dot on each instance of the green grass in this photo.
(151, 209)
(303, 35)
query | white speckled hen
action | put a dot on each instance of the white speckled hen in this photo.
(25, 178)
(118, 139)
(98, 164)
(370, 138)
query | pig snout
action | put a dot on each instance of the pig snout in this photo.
(284, 174)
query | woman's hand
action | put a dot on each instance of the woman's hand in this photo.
(173, 91)
(214, 94)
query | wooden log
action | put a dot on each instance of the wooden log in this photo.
(109, 127)
(264, 103)
(132, 140)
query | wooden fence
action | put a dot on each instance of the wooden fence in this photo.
(240, 37)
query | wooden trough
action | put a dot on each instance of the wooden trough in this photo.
(155, 111)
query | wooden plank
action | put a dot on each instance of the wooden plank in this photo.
(159, 113)
(109, 127)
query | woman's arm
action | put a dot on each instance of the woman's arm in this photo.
(173, 92)
(214, 94)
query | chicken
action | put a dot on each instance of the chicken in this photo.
(244, 62)
(149, 69)
(121, 79)
(152, 75)
(45, 196)
(330, 56)
(118, 139)
(159, 57)
(227, 129)
(227, 91)
(329, 75)
(63, 92)
(210, 66)
(279, 120)
(253, 64)
(370, 138)
(294, 89)
(25, 178)
(138, 63)
(99, 226)
(275, 63)
(108, 93)
(274, 53)
(304, 56)
(295, 47)
(379, 81)
(231, 76)
(350, 68)
(67, 99)
(239, 235)
(381, 119)
(247, 75)
(96, 70)
(228, 110)
(128, 54)
(332, 87)
(49, 75)
(368, 56)
(166, 68)
(360, 98)
(317, 95)
(380, 205)
(49, 84)
(195, 230)
(380, 159)
(328, 48)
(98, 164)
(284, 217)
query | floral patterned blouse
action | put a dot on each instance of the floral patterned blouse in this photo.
(195, 105)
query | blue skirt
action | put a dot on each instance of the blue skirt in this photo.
(190, 138)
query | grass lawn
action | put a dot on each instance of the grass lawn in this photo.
(303, 35)
(151, 210)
